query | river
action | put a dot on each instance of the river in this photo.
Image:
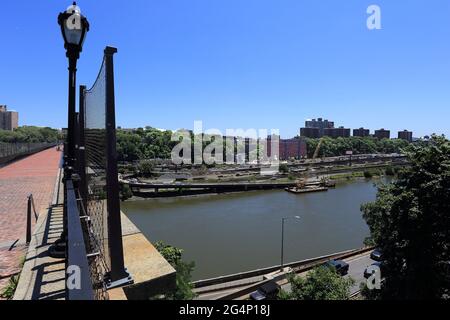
(231, 233)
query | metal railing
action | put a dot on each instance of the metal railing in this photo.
(11, 151)
(93, 192)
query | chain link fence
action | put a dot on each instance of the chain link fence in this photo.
(11, 151)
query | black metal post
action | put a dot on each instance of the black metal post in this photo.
(72, 54)
(118, 272)
(28, 236)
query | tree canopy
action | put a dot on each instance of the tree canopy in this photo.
(184, 285)
(29, 134)
(410, 223)
(359, 145)
(321, 283)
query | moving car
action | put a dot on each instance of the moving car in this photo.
(376, 255)
(340, 266)
(268, 291)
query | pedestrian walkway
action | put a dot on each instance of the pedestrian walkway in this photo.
(36, 175)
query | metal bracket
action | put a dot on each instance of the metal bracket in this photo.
(92, 255)
(119, 283)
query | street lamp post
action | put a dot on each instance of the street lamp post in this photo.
(282, 238)
(74, 27)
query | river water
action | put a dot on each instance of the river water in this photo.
(231, 233)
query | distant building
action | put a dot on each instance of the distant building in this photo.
(361, 132)
(405, 135)
(320, 124)
(310, 132)
(382, 134)
(337, 132)
(293, 148)
(9, 120)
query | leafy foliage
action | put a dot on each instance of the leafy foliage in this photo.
(184, 285)
(410, 223)
(321, 283)
(146, 168)
(359, 145)
(125, 192)
(144, 144)
(284, 168)
(30, 134)
(10, 289)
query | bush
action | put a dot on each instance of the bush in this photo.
(173, 255)
(368, 174)
(146, 168)
(284, 168)
(8, 292)
(389, 171)
(125, 192)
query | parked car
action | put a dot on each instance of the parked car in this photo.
(340, 266)
(368, 273)
(268, 291)
(376, 255)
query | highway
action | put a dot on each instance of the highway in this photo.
(357, 265)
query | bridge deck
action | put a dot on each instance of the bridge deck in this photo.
(35, 175)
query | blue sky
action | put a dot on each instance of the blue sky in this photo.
(238, 63)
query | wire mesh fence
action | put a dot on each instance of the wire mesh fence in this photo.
(98, 186)
(10, 151)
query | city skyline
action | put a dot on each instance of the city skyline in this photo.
(241, 65)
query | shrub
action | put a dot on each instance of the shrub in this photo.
(368, 174)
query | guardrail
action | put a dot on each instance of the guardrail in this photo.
(77, 260)
(293, 265)
(12, 151)
(305, 266)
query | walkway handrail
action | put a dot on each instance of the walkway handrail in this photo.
(78, 277)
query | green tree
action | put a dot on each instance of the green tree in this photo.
(409, 222)
(29, 134)
(146, 168)
(125, 192)
(284, 168)
(184, 286)
(321, 283)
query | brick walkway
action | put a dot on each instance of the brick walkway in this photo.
(35, 175)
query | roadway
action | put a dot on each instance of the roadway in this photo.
(357, 265)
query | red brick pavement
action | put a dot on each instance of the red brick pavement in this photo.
(35, 175)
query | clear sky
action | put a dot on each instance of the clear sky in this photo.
(238, 63)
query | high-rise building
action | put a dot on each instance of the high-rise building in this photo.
(320, 124)
(405, 135)
(383, 134)
(361, 132)
(9, 120)
(336, 132)
(310, 132)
